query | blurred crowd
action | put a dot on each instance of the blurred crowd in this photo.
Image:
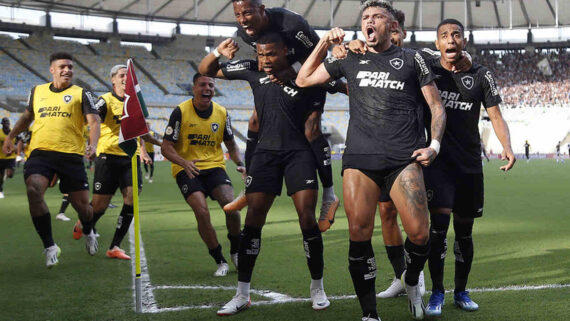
(523, 84)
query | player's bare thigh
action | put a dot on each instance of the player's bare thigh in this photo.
(360, 198)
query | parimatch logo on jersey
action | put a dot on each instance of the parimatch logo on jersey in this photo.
(450, 99)
(378, 79)
(201, 140)
(54, 111)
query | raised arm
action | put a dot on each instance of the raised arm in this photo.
(425, 156)
(210, 66)
(23, 122)
(313, 71)
(502, 131)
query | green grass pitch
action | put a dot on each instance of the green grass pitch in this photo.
(522, 240)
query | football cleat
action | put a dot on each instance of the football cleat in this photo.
(394, 290)
(77, 232)
(237, 204)
(223, 269)
(370, 319)
(422, 283)
(319, 299)
(415, 301)
(239, 303)
(328, 211)
(117, 253)
(52, 253)
(234, 258)
(62, 217)
(91, 243)
(464, 302)
(1, 194)
(435, 303)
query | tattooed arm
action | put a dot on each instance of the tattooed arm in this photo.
(425, 156)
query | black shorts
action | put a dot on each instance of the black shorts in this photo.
(383, 178)
(205, 182)
(151, 155)
(461, 192)
(68, 167)
(7, 164)
(268, 168)
(112, 172)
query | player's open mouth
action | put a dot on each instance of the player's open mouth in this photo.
(370, 34)
(451, 52)
(207, 95)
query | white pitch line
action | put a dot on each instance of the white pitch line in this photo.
(148, 302)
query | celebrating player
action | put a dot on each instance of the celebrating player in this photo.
(282, 152)
(254, 21)
(7, 162)
(454, 182)
(193, 143)
(385, 85)
(58, 110)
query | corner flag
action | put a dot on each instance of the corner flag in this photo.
(133, 122)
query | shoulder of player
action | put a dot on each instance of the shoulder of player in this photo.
(282, 19)
(218, 107)
(240, 65)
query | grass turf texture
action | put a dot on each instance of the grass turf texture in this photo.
(522, 239)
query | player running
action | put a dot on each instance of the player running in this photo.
(527, 150)
(149, 147)
(454, 182)
(193, 143)
(59, 110)
(254, 21)
(282, 152)
(7, 161)
(385, 86)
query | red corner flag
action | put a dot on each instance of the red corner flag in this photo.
(133, 122)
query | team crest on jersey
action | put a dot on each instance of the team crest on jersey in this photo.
(215, 127)
(185, 188)
(397, 63)
(67, 98)
(467, 81)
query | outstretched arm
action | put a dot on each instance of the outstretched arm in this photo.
(209, 66)
(313, 71)
(502, 131)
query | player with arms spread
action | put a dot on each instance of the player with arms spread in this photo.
(386, 85)
(282, 152)
(58, 110)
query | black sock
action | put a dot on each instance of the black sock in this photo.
(216, 253)
(438, 237)
(151, 169)
(64, 203)
(145, 168)
(362, 267)
(322, 152)
(123, 224)
(463, 250)
(397, 259)
(87, 226)
(97, 216)
(250, 146)
(313, 244)
(43, 227)
(416, 257)
(2, 180)
(234, 243)
(249, 247)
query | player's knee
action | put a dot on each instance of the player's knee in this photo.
(34, 192)
(9, 173)
(388, 214)
(419, 236)
(360, 231)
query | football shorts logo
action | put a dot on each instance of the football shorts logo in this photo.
(397, 63)
(169, 130)
(184, 188)
(429, 195)
(364, 62)
(215, 127)
(248, 181)
(467, 81)
(67, 98)
(97, 186)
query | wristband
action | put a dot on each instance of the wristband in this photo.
(435, 145)
(216, 53)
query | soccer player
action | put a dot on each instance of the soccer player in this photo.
(559, 158)
(527, 150)
(193, 143)
(59, 110)
(282, 152)
(149, 147)
(254, 21)
(7, 161)
(64, 204)
(385, 84)
(454, 182)
(113, 167)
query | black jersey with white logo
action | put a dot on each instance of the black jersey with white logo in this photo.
(299, 36)
(281, 110)
(385, 100)
(462, 95)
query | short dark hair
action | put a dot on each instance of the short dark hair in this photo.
(59, 55)
(451, 22)
(401, 17)
(365, 4)
(271, 37)
(196, 76)
(255, 2)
